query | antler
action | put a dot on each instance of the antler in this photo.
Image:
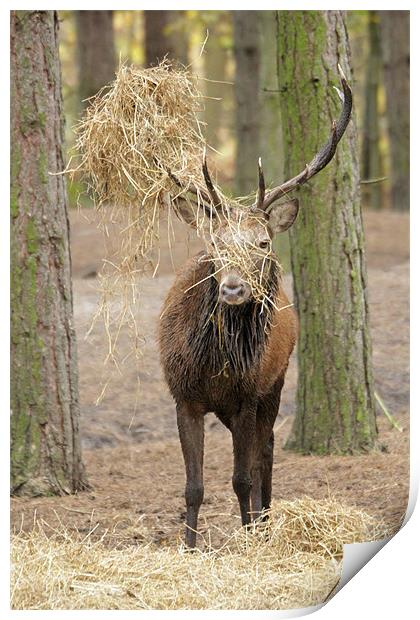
(210, 200)
(259, 204)
(322, 158)
(205, 200)
(215, 200)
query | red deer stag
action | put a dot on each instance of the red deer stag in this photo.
(224, 351)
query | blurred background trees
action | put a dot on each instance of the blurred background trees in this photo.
(95, 51)
(247, 95)
(157, 41)
(395, 38)
(235, 55)
(371, 160)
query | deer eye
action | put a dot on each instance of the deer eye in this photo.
(264, 244)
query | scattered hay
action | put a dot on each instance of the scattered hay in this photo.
(141, 137)
(140, 152)
(295, 561)
(138, 134)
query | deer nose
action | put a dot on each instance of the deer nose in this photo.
(232, 291)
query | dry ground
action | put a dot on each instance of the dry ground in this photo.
(131, 450)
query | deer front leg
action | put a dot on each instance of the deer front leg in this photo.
(256, 499)
(190, 419)
(243, 436)
(267, 473)
(267, 413)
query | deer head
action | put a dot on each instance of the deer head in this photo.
(240, 238)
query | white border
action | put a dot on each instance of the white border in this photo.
(387, 586)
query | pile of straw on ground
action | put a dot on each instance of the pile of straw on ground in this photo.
(295, 561)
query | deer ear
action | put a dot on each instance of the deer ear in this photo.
(283, 215)
(185, 212)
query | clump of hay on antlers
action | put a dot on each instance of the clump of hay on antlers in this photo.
(294, 560)
(141, 152)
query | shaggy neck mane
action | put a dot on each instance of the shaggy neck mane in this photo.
(231, 339)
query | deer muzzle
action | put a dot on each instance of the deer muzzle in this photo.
(233, 290)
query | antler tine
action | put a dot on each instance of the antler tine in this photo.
(209, 184)
(324, 155)
(259, 201)
(192, 189)
(261, 186)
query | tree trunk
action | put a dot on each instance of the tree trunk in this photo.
(335, 410)
(395, 30)
(96, 53)
(247, 89)
(215, 71)
(178, 32)
(271, 136)
(132, 18)
(45, 450)
(371, 160)
(158, 42)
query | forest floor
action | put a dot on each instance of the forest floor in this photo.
(130, 444)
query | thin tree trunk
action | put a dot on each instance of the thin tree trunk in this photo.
(96, 53)
(371, 160)
(179, 35)
(45, 449)
(247, 89)
(215, 70)
(131, 19)
(395, 30)
(158, 42)
(271, 135)
(335, 410)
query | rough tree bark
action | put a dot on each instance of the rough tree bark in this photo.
(96, 53)
(395, 30)
(45, 449)
(371, 159)
(247, 89)
(335, 410)
(158, 43)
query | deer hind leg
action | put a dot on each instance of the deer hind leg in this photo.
(262, 472)
(263, 465)
(190, 419)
